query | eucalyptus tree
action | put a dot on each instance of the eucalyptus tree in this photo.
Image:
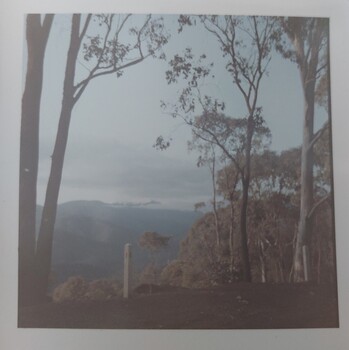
(309, 39)
(246, 44)
(107, 44)
(37, 33)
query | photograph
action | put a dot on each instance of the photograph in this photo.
(176, 173)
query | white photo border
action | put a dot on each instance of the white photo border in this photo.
(11, 38)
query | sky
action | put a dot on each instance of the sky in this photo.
(110, 155)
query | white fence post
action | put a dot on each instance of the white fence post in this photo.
(127, 270)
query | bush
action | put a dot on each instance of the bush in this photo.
(73, 289)
(149, 275)
(103, 289)
(78, 289)
(172, 274)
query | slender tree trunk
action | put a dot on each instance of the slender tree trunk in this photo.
(280, 260)
(307, 52)
(305, 225)
(45, 238)
(215, 211)
(319, 261)
(263, 272)
(262, 262)
(37, 36)
(231, 235)
(216, 222)
(333, 275)
(246, 267)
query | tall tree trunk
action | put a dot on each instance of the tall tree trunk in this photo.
(262, 261)
(307, 52)
(280, 259)
(333, 275)
(214, 204)
(319, 261)
(231, 235)
(36, 36)
(263, 271)
(246, 267)
(45, 238)
(308, 35)
(305, 226)
(308, 71)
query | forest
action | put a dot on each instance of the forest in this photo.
(270, 216)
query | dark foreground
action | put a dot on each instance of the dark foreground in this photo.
(239, 306)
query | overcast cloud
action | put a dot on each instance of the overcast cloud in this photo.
(115, 123)
(114, 172)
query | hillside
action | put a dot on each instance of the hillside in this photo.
(90, 236)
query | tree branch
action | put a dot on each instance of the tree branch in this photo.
(316, 205)
(321, 68)
(99, 70)
(217, 142)
(106, 72)
(47, 22)
(318, 135)
(84, 29)
(97, 66)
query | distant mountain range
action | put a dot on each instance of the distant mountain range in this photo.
(90, 236)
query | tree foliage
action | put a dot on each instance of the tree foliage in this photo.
(246, 44)
(273, 213)
(273, 216)
(153, 241)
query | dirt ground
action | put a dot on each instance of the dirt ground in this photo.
(238, 306)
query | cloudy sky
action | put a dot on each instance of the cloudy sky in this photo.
(110, 155)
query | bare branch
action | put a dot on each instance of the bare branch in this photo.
(101, 69)
(84, 29)
(318, 134)
(106, 72)
(216, 142)
(320, 69)
(317, 205)
(139, 35)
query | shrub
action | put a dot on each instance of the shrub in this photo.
(149, 275)
(103, 289)
(73, 289)
(172, 274)
(78, 289)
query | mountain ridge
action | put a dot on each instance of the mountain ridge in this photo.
(89, 237)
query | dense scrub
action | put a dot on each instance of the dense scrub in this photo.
(78, 289)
